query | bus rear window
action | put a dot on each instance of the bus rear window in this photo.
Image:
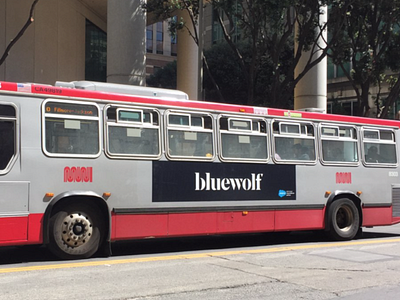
(71, 129)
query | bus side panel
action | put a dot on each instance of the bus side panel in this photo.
(376, 216)
(192, 223)
(35, 229)
(21, 230)
(13, 229)
(139, 226)
(245, 221)
(184, 224)
(299, 219)
(220, 222)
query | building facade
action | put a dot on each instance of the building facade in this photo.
(68, 41)
(53, 46)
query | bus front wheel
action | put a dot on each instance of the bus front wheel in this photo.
(344, 219)
(75, 231)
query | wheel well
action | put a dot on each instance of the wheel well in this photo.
(60, 202)
(350, 196)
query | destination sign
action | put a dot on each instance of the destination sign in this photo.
(71, 109)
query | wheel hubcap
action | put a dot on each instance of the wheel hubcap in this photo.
(76, 230)
(344, 218)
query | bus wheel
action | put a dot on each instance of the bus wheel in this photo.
(344, 219)
(75, 231)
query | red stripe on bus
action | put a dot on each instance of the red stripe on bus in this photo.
(333, 117)
(13, 228)
(22, 230)
(375, 216)
(8, 86)
(187, 224)
(26, 230)
(299, 219)
(96, 95)
(35, 231)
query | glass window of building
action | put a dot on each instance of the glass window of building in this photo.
(160, 37)
(95, 53)
(149, 39)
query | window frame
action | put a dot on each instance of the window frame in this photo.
(337, 137)
(242, 132)
(16, 121)
(130, 109)
(378, 141)
(69, 117)
(188, 128)
(299, 135)
(131, 124)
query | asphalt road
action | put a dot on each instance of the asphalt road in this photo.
(260, 266)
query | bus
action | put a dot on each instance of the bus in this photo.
(84, 164)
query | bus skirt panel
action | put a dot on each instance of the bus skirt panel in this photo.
(21, 230)
(127, 226)
(379, 216)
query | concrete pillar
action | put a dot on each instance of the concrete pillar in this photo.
(126, 42)
(311, 91)
(188, 60)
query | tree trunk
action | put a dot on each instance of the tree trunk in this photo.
(20, 33)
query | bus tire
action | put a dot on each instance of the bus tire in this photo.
(344, 219)
(75, 231)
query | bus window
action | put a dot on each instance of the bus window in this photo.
(7, 136)
(243, 139)
(71, 129)
(379, 147)
(132, 133)
(189, 136)
(339, 144)
(294, 141)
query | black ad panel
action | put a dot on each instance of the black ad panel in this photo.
(196, 181)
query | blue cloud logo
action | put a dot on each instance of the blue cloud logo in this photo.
(282, 193)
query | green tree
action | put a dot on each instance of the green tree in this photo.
(268, 26)
(271, 27)
(224, 66)
(164, 77)
(370, 43)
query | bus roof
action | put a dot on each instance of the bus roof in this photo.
(171, 98)
(124, 89)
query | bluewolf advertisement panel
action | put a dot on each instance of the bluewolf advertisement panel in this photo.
(191, 181)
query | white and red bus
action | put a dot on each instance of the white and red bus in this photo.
(84, 164)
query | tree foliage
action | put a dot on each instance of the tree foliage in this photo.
(269, 28)
(225, 68)
(164, 77)
(371, 43)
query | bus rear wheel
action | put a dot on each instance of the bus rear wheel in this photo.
(344, 219)
(75, 231)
